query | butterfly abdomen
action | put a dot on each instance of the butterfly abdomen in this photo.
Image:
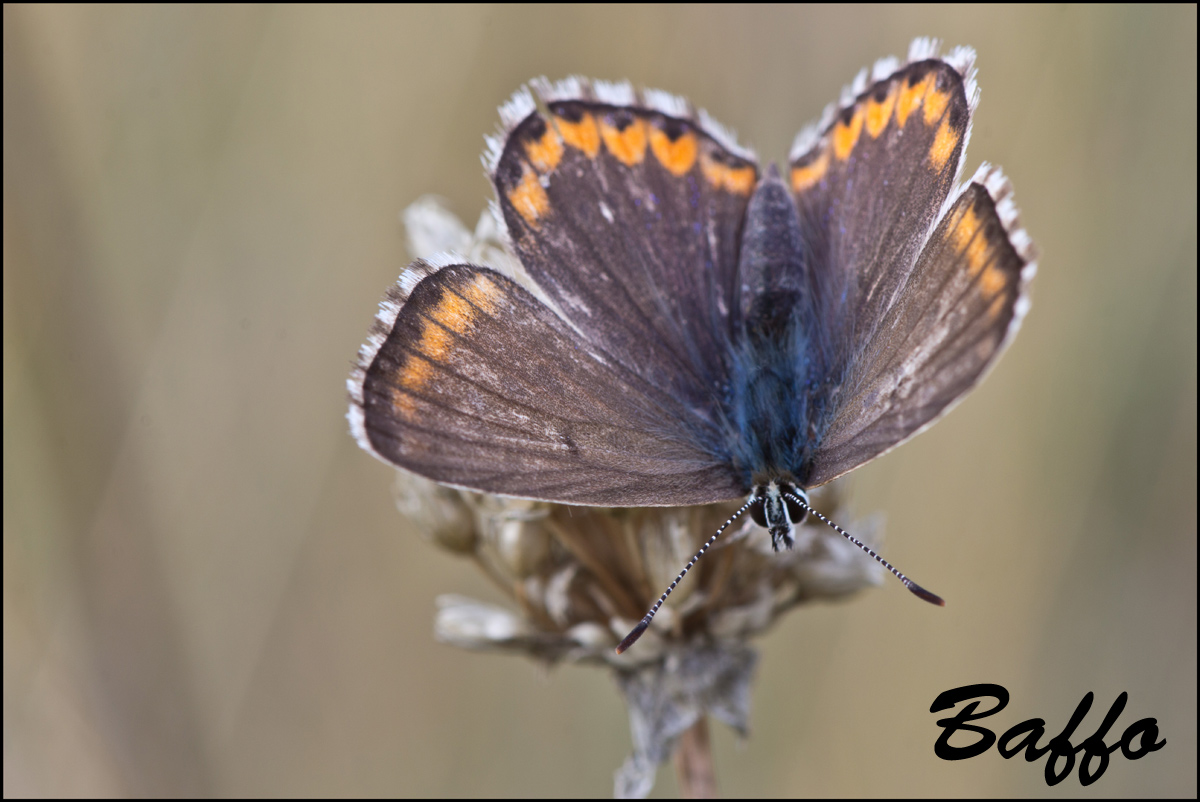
(777, 405)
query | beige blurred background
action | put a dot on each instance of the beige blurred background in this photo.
(207, 589)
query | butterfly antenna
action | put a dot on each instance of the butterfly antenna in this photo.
(632, 637)
(916, 589)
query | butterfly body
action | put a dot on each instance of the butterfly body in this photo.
(781, 375)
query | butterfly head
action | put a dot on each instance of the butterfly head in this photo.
(774, 510)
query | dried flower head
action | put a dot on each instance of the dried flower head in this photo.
(581, 577)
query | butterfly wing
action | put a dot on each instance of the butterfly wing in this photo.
(472, 381)
(920, 288)
(625, 211)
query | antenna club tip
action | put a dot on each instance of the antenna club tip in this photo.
(925, 595)
(632, 637)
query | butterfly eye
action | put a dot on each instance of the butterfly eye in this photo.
(758, 513)
(796, 512)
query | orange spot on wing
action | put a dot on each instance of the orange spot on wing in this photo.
(678, 156)
(739, 180)
(935, 104)
(880, 112)
(992, 282)
(970, 240)
(454, 315)
(808, 175)
(997, 307)
(582, 135)
(966, 227)
(482, 293)
(529, 198)
(944, 143)
(845, 135)
(404, 404)
(977, 256)
(545, 153)
(629, 146)
(910, 98)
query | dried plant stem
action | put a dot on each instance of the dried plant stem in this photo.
(694, 763)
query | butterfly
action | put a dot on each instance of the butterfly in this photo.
(695, 329)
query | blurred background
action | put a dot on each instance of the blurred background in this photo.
(207, 588)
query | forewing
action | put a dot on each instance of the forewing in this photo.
(870, 180)
(625, 209)
(471, 381)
